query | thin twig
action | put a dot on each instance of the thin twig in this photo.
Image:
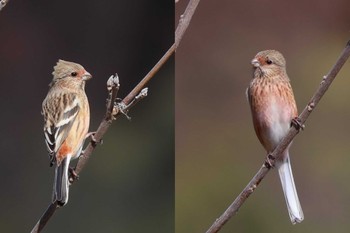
(3, 4)
(185, 20)
(149, 76)
(45, 218)
(113, 88)
(249, 189)
(129, 101)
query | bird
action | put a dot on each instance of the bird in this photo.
(273, 110)
(66, 115)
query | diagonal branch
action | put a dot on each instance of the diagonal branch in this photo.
(185, 20)
(252, 185)
(121, 108)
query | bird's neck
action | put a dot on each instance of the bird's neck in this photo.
(73, 86)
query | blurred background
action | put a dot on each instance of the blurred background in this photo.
(128, 183)
(217, 152)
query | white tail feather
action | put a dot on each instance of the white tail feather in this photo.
(290, 193)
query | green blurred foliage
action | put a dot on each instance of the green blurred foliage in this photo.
(217, 152)
(128, 183)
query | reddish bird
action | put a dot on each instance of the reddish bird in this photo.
(273, 108)
(67, 118)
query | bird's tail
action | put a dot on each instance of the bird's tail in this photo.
(290, 193)
(61, 183)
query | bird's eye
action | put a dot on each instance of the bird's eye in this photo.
(74, 74)
(268, 61)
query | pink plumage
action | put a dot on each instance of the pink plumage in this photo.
(273, 108)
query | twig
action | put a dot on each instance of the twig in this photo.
(148, 76)
(113, 111)
(3, 4)
(45, 218)
(185, 20)
(249, 189)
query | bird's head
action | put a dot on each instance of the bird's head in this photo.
(67, 71)
(267, 63)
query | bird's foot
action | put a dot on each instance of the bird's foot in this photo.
(93, 139)
(73, 176)
(270, 161)
(296, 123)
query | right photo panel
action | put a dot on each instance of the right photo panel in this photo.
(261, 111)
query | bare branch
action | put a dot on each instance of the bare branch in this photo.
(113, 88)
(252, 185)
(185, 20)
(3, 4)
(45, 218)
(123, 108)
(127, 100)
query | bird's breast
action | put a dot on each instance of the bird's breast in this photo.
(273, 107)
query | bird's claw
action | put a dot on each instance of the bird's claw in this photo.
(296, 123)
(91, 135)
(269, 162)
(73, 176)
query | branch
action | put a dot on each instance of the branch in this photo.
(185, 20)
(45, 218)
(3, 4)
(127, 100)
(114, 110)
(252, 185)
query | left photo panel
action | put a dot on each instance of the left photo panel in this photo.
(85, 146)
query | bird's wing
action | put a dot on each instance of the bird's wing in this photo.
(59, 113)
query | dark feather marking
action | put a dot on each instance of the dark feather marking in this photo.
(71, 112)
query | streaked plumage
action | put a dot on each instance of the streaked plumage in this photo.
(66, 121)
(273, 107)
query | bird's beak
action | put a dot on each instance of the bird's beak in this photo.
(86, 76)
(255, 62)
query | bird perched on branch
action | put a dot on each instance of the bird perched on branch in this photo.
(273, 109)
(66, 122)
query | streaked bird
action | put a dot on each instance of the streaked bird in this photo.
(66, 122)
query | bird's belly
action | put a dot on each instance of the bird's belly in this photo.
(276, 121)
